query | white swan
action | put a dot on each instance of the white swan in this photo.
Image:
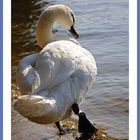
(57, 77)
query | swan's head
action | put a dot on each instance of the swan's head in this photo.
(64, 16)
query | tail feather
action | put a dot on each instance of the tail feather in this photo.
(33, 105)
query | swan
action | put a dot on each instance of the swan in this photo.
(54, 82)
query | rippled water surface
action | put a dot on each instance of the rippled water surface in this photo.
(103, 29)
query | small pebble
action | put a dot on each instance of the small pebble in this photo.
(103, 135)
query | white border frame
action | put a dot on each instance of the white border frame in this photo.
(7, 69)
(133, 69)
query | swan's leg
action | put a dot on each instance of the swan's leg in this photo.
(75, 108)
(61, 131)
(84, 126)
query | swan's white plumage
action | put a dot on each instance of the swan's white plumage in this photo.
(26, 74)
(52, 80)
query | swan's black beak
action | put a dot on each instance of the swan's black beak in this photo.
(73, 32)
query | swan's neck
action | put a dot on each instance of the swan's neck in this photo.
(44, 33)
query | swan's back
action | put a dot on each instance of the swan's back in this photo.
(56, 63)
(61, 60)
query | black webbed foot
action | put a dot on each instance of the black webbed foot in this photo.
(85, 126)
(61, 130)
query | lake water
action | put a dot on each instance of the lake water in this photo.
(103, 29)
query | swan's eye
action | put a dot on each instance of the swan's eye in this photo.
(73, 18)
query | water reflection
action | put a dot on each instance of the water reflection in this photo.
(25, 14)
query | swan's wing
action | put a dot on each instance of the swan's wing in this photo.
(59, 60)
(26, 77)
(55, 64)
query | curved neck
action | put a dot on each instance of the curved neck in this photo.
(44, 33)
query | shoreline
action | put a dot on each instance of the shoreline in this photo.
(24, 129)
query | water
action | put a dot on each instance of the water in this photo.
(103, 29)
